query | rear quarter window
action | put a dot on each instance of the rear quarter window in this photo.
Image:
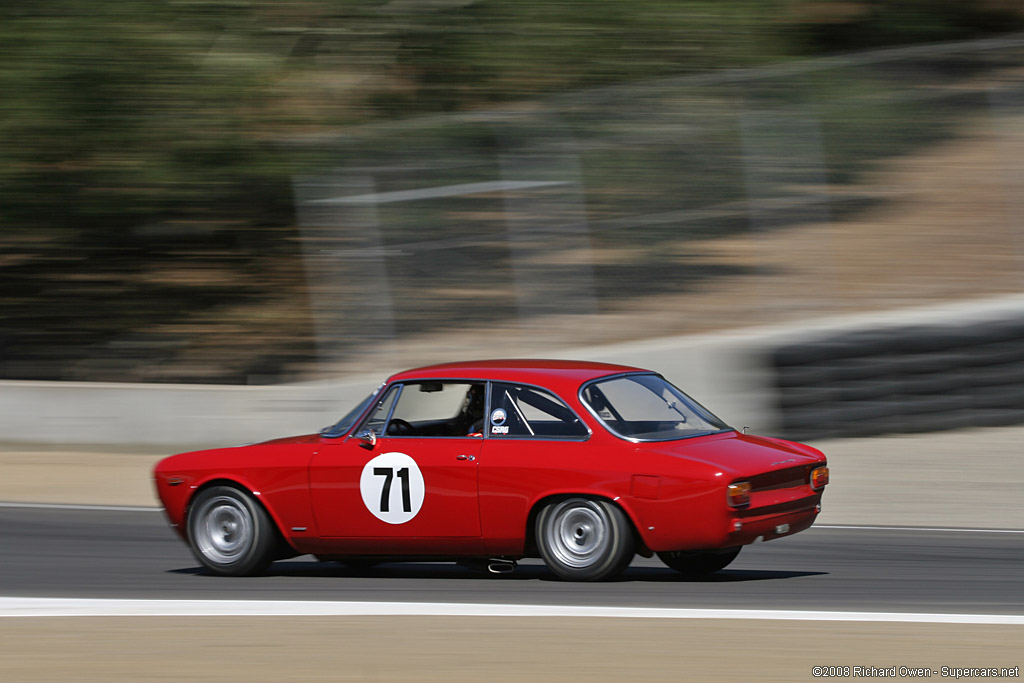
(519, 411)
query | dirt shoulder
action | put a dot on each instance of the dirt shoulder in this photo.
(77, 477)
(960, 478)
(480, 648)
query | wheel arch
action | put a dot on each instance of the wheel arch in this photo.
(530, 546)
(239, 486)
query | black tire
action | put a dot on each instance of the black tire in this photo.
(582, 539)
(697, 563)
(230, 533)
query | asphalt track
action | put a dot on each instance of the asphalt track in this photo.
(133, 554)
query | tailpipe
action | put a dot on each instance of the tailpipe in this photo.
(500, 566)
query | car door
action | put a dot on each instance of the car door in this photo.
(535, 444)
(418, 480)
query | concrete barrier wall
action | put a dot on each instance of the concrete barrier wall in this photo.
(175, 416)
(735, 374)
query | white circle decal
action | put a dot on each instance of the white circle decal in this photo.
(498, 416)
(392, 487)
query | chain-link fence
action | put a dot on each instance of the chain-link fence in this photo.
(726, 200)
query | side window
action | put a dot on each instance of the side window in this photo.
(437, 409)
(522, 411)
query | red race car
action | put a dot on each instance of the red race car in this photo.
(583, 464)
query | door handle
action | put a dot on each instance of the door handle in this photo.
(465, 457)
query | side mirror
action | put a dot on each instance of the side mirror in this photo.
(368, 437)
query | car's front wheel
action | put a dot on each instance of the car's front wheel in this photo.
(582, 539)
(697, 563)
(230, 533)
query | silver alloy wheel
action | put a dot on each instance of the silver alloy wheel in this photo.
(578, 533)
(223, 530)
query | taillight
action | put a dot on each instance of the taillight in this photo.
(738, 494)
(819, 477)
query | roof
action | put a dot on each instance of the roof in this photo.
(529, 371)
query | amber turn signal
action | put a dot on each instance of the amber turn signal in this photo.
(738, 494)
(819, 477)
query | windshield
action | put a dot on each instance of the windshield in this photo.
(648, 408)
(341, 427)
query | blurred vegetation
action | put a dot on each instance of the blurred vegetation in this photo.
(148, 147)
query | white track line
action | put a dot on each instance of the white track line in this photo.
(918, 528)
(65, 506)
(62, 607)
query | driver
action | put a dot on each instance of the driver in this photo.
(471, 420)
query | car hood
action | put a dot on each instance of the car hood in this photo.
(743, 454)
(242, 453)
(302, 438)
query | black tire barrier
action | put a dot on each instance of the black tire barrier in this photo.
(901, 380)
(998, 353)
(931, 363)
(870, 390)
(810, 396)
(801, 376)
(990, 375)
(1001, 397)
(943, 381)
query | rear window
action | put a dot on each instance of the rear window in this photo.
(648, 408)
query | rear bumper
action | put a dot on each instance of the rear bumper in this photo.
(748, 528)
(718, 526)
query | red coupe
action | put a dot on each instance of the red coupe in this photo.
(583, 464)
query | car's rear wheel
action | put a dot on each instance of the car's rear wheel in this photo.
(582, 539)
(699, 562)
(230, 533)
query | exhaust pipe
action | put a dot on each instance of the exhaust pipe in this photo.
(500, 566)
